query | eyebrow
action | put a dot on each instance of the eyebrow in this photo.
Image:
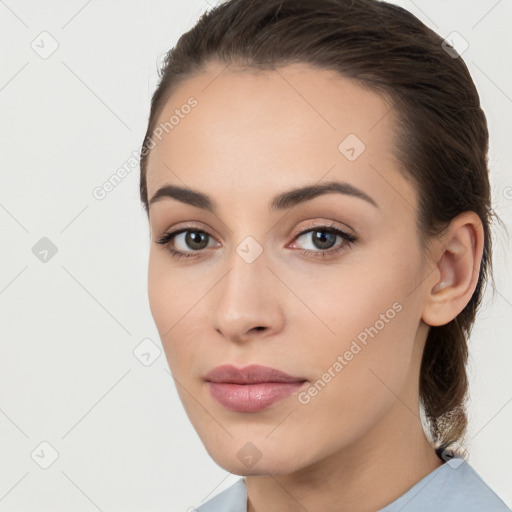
(282, 201)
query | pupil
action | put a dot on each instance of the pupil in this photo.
(321, 239)
(194, 237)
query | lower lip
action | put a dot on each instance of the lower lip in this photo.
(252, 397)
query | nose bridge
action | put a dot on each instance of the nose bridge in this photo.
(243, 301)
(248, 269)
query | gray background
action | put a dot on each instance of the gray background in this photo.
(70, 325)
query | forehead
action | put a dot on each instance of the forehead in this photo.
(263, 130)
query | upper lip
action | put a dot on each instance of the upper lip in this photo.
(250, 374)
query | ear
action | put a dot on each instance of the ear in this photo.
(457, 257)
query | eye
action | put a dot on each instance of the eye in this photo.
(322, 240)
(192, 240)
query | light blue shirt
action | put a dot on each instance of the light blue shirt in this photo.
(453, 487)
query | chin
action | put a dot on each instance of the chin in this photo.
(246, 458)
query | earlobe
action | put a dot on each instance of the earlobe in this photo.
(458, 265)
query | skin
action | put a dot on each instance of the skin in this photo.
(359, 443)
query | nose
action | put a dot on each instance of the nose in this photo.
(246, 302)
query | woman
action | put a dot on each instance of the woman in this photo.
(315, 177)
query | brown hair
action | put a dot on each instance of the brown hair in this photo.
(441, 138)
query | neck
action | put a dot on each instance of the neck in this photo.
(365, 476)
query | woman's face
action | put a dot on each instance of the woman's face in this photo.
(277, 283)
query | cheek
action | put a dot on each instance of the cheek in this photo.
(159, 293)
(174, 303)
(370, 342)
(170, 291)
(165, 301)
(369, 321)
(360, 370)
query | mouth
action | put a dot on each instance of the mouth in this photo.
(252, 388)
(251, 374)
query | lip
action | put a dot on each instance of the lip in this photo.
(251, 388)
(251, 374)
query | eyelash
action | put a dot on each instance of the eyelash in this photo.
(349, 240)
